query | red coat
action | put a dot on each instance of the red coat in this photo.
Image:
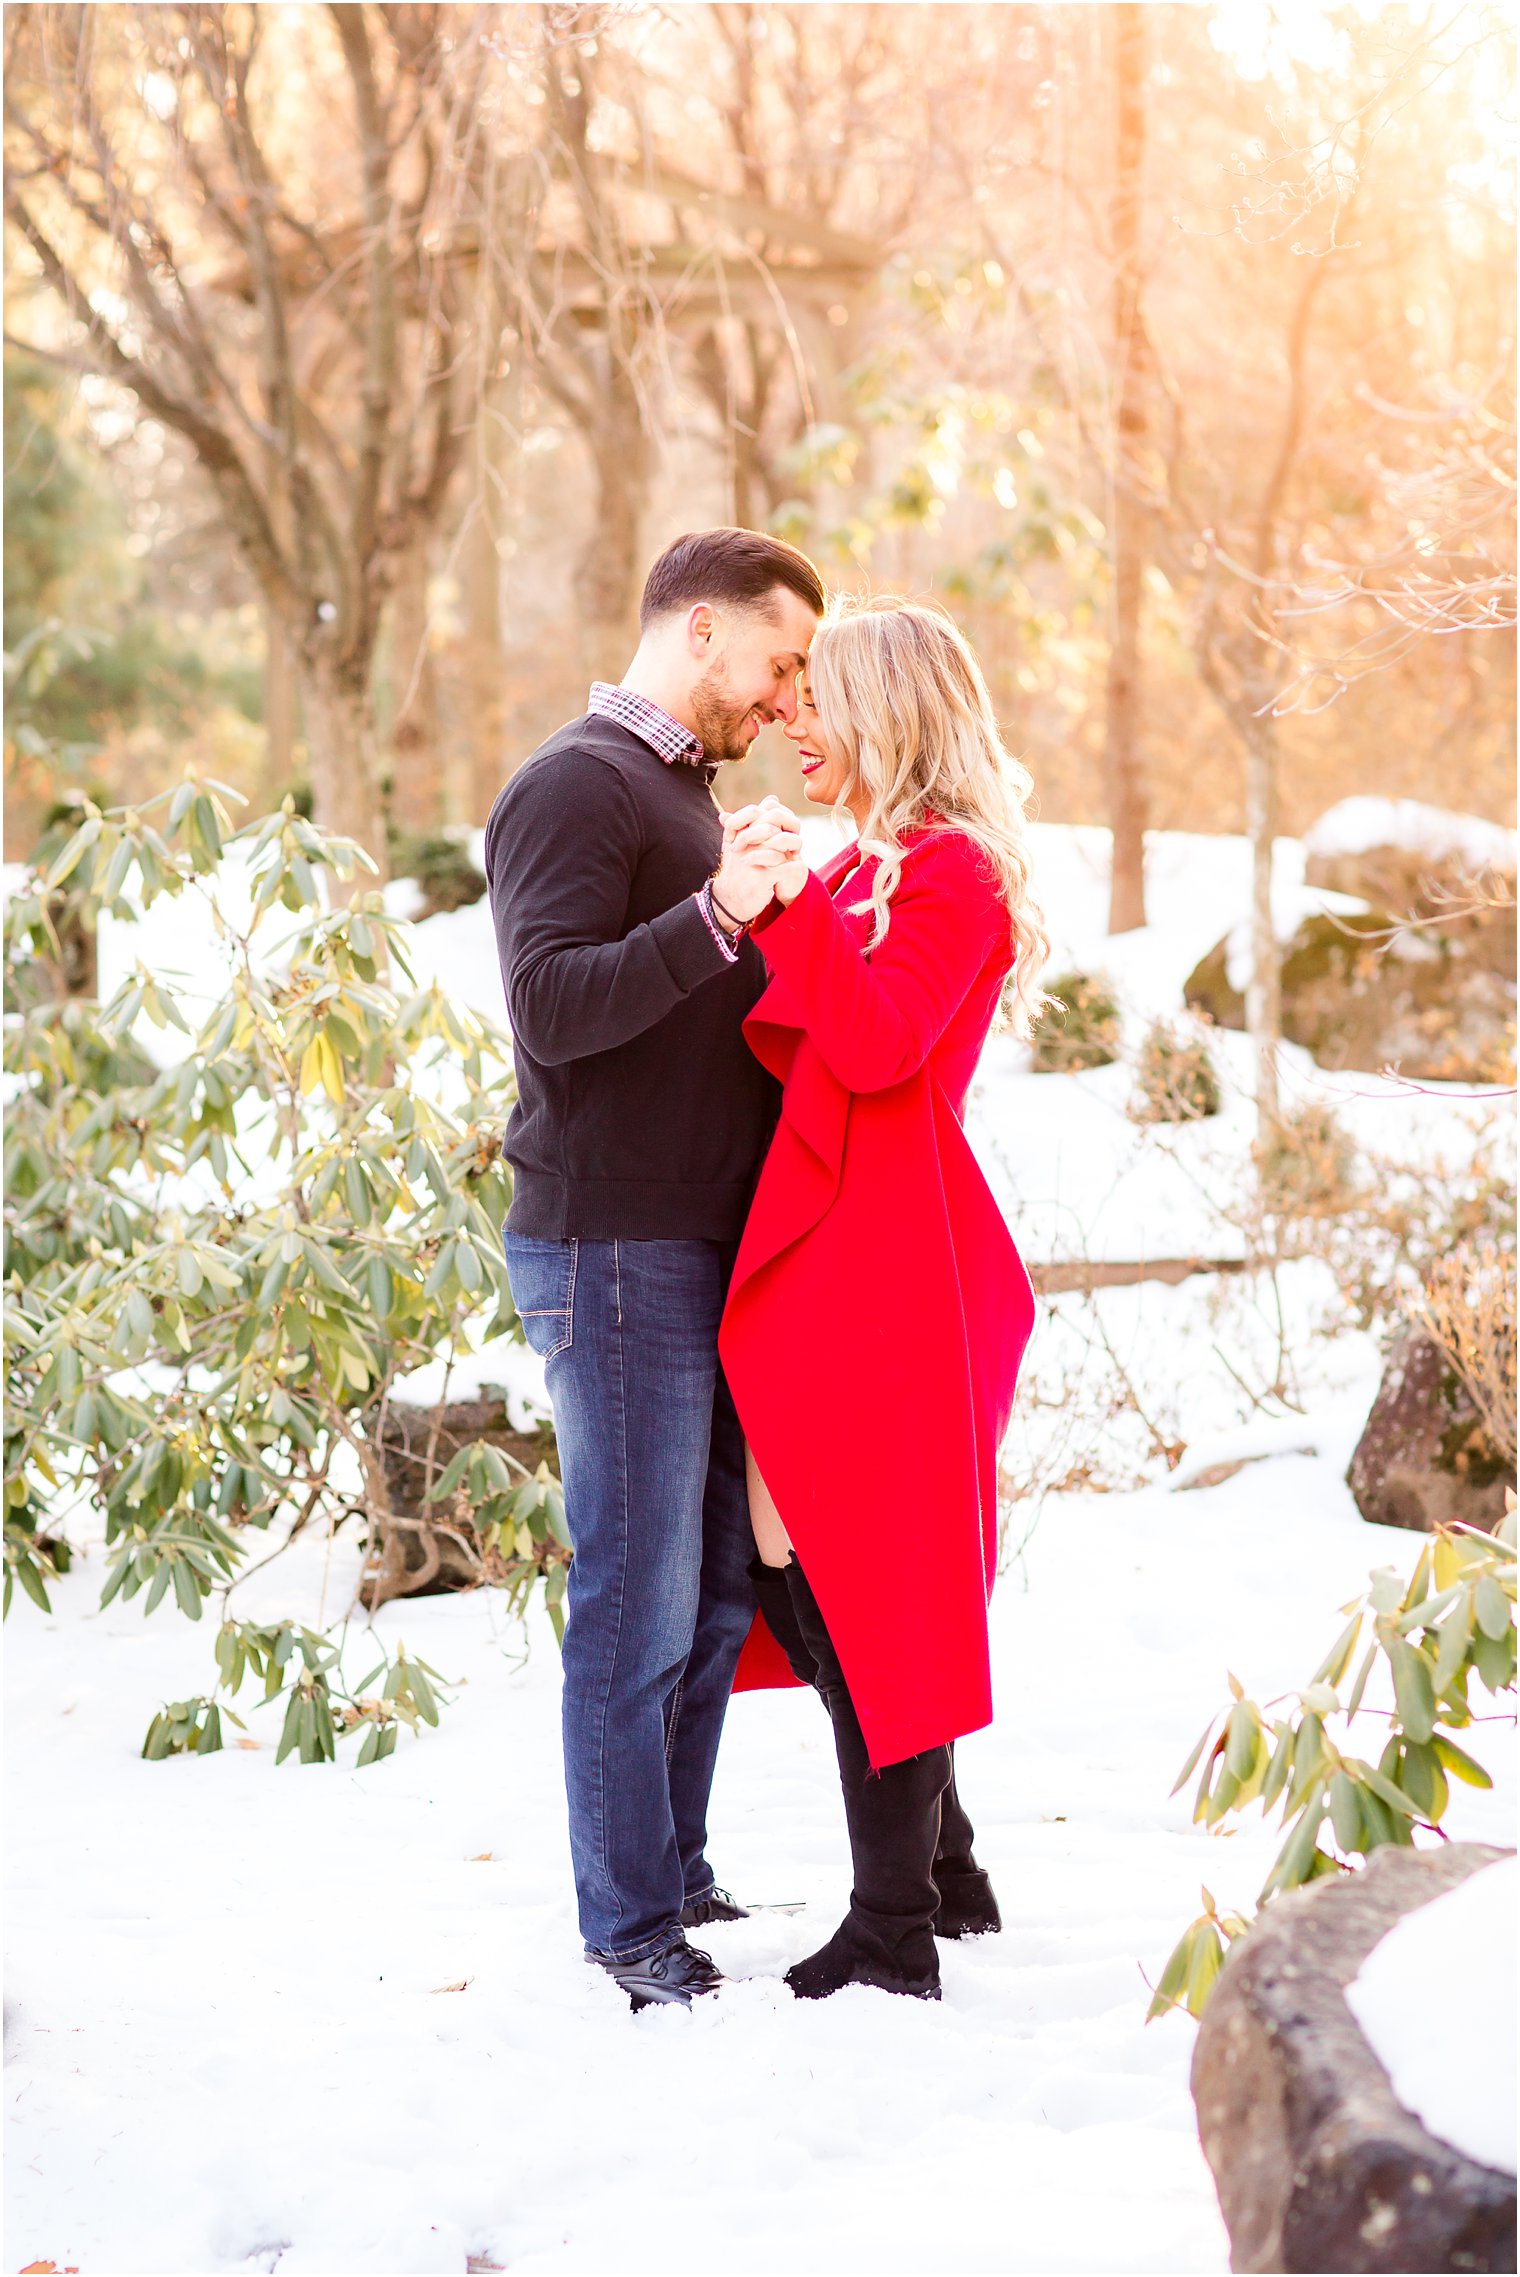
(879, 1309)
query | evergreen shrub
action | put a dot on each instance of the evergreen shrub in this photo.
(216, 1270)
(442, 867)
(1452, 1622)
(1077, 1027)
(1175, 1079)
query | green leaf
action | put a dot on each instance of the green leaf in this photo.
(1279, 1767)
(1422, 1779)
(31, 1580)
(1346, 1812)
(1452, 1640)
(1460, 1764)
(451, 1475)
(186, 1591)
(1292, 1863)
(1338, 1659)
(1240, 1740)
(1173, 1978)
(1494, 1659)
(422, 1694)
(1412, 1689)
(1385, 1790)
(74, 852)
(1428, 1611)
(1204, 1964)
(291, 1732)
(1493, 1609)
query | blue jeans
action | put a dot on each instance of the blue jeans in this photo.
(659, 1599)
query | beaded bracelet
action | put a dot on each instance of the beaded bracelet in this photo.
(741, 925)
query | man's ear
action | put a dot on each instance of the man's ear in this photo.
(701, 624)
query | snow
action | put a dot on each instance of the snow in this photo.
(1454, 2073)
(330, 2021)
(1357, 825)
(232, 2047)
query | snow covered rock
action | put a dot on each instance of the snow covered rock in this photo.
(1424, 1459)
(1439, 1002)
(1318, 2165)
(1461, 2088)
(1401, 855)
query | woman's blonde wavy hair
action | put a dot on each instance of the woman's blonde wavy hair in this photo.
(901, 697)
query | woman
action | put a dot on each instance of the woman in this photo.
(876, 1274)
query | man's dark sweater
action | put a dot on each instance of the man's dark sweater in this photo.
(641, 1112)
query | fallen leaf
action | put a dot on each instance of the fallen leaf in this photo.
(482, 1858)
(452, 1987)
(250, 1743)
(39, 2269)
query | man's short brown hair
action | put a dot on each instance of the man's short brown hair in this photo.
(736, 567)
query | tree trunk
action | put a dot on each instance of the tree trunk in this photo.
(345, 788)
(416, 759)
(476, 697)
(606, 583)
(279, 709)
(1124, 764)
(1264, 988)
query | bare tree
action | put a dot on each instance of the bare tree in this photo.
(1127, 514)
(315, 369)
(810, 102)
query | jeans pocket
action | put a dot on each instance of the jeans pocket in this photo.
(542, 1275)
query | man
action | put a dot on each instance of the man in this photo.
(639, 1129)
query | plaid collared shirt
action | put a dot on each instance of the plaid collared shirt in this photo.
(677, 746)
(646, 720)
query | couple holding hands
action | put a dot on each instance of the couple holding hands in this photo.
(780, 1312)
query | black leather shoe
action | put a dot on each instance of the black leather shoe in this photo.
(718, 1905)
(967, 1906)
(677, 1975)
(856, 1954)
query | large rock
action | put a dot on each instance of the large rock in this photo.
(433, 1547)
(1424, 1458)
(1401, 855)
(1357, 992)
(1317, 2164)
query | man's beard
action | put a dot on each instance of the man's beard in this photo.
(717, 720)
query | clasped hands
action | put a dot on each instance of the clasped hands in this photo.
(762, 855)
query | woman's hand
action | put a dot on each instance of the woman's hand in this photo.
(760, 844)
(762, 847)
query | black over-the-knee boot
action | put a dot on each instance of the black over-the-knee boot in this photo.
(773, 1590)
(887, 1937)
(967, 1906)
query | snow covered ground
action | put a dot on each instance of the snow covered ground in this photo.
(334, 2021)
(327, 2021)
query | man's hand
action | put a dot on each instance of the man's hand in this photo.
(791, 872)
(762, 846)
